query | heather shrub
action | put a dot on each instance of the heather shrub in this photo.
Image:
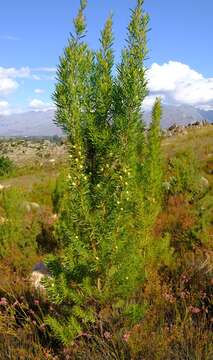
(23, 333)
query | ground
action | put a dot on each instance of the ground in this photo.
(180, 293)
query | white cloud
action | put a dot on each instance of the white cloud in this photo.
(23, 72)
(36, 77)
(9, 76)
(37, 105)
(7, 86)
(45, 69)
(9, 37)
(149, 101)
(39, 91)
(6, 109)
(180, 84)
(4, 106)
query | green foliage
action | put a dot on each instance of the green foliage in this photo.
(59, 191)
(72, 326)
(135, 312)
(6, 165)
(103, 228)
(17, 232)
(153, 164)
(185, 174)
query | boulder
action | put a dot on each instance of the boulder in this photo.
(39, 272)
(204, 182)
(3, 220)
(31, 206)
(4, 187)
(34, 206)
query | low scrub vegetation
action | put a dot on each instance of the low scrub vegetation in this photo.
(6, 166)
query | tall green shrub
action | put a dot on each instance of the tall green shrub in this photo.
(153, 164)
(102, 221)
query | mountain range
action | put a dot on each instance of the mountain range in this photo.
(40, 123)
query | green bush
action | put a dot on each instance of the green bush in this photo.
(18, 229)
(184, 174)
(6, 166)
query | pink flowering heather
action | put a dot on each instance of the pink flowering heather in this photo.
(3, 301)
(126, 336)
(16, 303)
(194, 309)
(107, 335)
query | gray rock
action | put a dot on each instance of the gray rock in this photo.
(41, 267)
(204, 182)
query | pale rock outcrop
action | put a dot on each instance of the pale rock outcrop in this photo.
(204, 182)
(31, 206)
(39, 272)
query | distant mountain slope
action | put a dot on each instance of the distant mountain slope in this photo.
(40, 123)
(33, 123)
(208, 114)
(180, 115)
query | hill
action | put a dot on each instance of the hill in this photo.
(40, 123)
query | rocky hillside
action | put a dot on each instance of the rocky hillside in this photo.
(41, 123)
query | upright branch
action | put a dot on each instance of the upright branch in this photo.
(99, 131)
(132, 86)
(153, 162)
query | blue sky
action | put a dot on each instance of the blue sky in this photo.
(34, 33)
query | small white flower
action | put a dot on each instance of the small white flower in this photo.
(97, 258)
(118, 202)
(127, 278)
(98, 186)
(73, 184)
(122, 209)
